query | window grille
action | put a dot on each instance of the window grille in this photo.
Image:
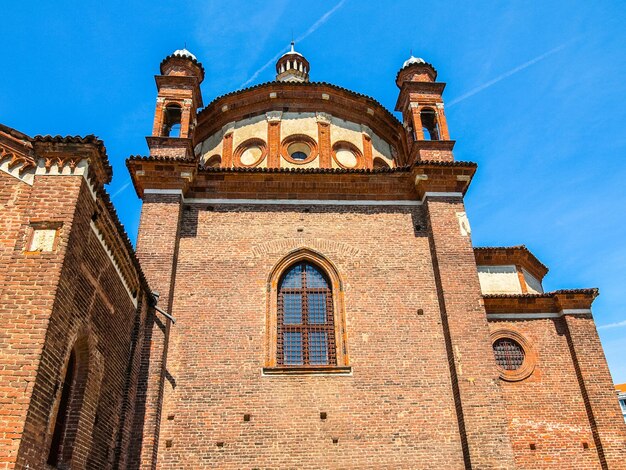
(306, 331)
(509, 354)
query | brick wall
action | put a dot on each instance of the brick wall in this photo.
(51, 302)
(547, 409)
(393, 411)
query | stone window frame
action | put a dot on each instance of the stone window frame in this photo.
(42, 225)
(299, 138)
(344, 144)
(271, 367)
(530, 356)
(242, 147)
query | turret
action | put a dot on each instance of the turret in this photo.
(421, 104)
(178, 98)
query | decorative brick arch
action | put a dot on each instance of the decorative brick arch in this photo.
(82, 405)
(337, 286)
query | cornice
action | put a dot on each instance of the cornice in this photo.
(507, 255)
(544, 305)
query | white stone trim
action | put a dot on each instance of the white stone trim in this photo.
(81, 169)
(576, 311)
(27, 177)
(441, 194)
(177, 192)
(538, 316)
(115, 265)
(298, 202)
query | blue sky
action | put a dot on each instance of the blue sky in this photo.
(536, 96)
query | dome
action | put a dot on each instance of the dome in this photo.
(184, 53)
(292, 51)
(413, 60)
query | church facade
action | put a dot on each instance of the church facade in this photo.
(304, 293)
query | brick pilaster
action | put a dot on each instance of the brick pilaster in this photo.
(157, 248)
(479, 403)
(367, 149)
(227, 150)
(323, 133)
(596, 386)
(444, 133)
(416, 121)
(185, 119)
(273, 138)
(158, 117)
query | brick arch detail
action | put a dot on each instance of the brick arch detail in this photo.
(76, 443)
(319, 244)
(337, 285)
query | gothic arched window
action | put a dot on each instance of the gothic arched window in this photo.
(305, 320)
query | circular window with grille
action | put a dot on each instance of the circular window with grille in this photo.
(514, 356)
(509, 354)
(299, 149)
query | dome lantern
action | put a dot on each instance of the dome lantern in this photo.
(292, 67)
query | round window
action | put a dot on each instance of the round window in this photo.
(251, 155)
(346, 157)
(509, 354)
(299, 151)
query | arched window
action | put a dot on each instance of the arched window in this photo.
(171, 120)
(305, 318)
(429, 124)
(67, 417)
(380, 164)
(213, 162)
(60, 425)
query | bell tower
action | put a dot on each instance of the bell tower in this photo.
(421, 104)
(178, 98)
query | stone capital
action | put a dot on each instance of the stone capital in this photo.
(323, 118)
(274, 116)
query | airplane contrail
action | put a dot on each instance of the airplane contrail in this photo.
(121, 189)
(612, 325)
(323, 19)
(509, 73)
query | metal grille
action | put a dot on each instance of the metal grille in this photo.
(509, 354)
(306, 330)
